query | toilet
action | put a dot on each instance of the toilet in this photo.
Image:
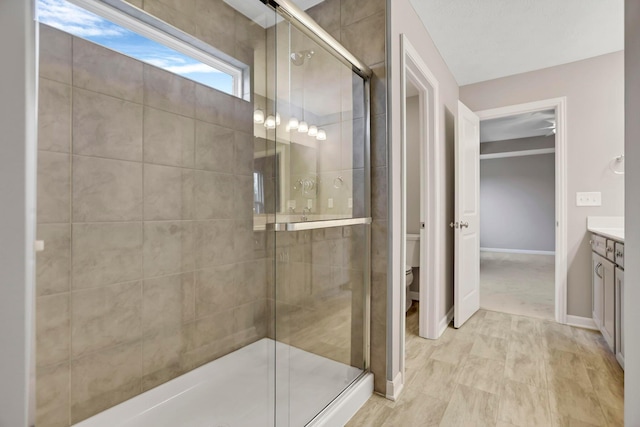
(413, 260)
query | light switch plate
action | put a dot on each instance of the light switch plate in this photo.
(589, 199)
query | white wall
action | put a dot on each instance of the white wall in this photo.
(404, 20)
(413, 166)
(17, 210)
(595, 133)
(632, 213)
(517, 203)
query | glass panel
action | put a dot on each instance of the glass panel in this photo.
(320, 281)
(319, 129)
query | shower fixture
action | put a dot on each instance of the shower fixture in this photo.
(298, 58)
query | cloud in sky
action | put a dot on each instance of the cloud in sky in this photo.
(74, 20)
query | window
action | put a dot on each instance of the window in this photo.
(146, 39)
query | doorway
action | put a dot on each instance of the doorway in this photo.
(517, 214)
(552, 112)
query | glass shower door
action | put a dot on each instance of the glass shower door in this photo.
(321, 239)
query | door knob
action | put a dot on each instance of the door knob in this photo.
(453, 224)
(464, 224)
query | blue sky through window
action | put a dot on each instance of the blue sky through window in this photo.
(84, 24)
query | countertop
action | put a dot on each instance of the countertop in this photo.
(610, 233)
(611, 227)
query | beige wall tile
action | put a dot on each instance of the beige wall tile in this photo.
(243, 156)
(365, 39)
(250, 281)
(379, 197)
(104, 254)
(215, 148)
(214, 243)
(168, 248)
(55, 54)
(213, 195)
(162, 356)
(168, 138)
(167, 91)
(106, 190)
(54, 263)
(52, 395)
(355, 10)
(105, 378)
(104, 126)
(379, 141)
(103, 70)
(243, 197)
(105, 316)
(53, 187)
(168, 302)
(171, 16)
(52, 329)
(327, 14)
(168, 193)
(213, 106)
(216, 289)
(243, 115)
(54, 116)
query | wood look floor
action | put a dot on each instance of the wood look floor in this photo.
(503, 370)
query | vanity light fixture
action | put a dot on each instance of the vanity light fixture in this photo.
(258, 116)
(270, 122)
(322, 135)
(313, 130)
(303, 127)
(293, 123)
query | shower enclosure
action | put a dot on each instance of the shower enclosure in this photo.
(203, 195)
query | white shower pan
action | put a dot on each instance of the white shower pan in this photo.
(238, 390)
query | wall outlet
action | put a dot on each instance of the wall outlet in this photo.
(589, 199)
(330, 203)
(291, 204)
(309, 203)
(350, 203)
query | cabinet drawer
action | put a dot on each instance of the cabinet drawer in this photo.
(599, 245)
(619, 252)
(611, 250)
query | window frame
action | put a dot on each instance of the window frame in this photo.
(140, 22)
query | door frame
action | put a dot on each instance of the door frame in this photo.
(414, 70)
(559, 105)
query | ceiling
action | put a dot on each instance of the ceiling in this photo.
(488, 39)
(519, 126)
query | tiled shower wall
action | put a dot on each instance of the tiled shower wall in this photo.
(145, 198)
(360, 26)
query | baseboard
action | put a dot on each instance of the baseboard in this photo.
(517, 251)
(444, 322)
(394, 388)
(415, 296)
(581, 322)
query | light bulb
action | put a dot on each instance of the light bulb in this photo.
(303, 127)
(258, 116)
(277, 119)
(322, 135)
(293, 123)
(270, 122)
(313, 130)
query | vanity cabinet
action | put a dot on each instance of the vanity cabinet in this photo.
(604, 298)
(608, 292)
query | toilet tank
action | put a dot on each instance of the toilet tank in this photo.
(413, 250)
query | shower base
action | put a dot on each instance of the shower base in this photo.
(238, 390)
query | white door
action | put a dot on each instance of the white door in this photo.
(466, 288)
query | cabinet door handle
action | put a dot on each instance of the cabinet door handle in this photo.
(598, 268)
